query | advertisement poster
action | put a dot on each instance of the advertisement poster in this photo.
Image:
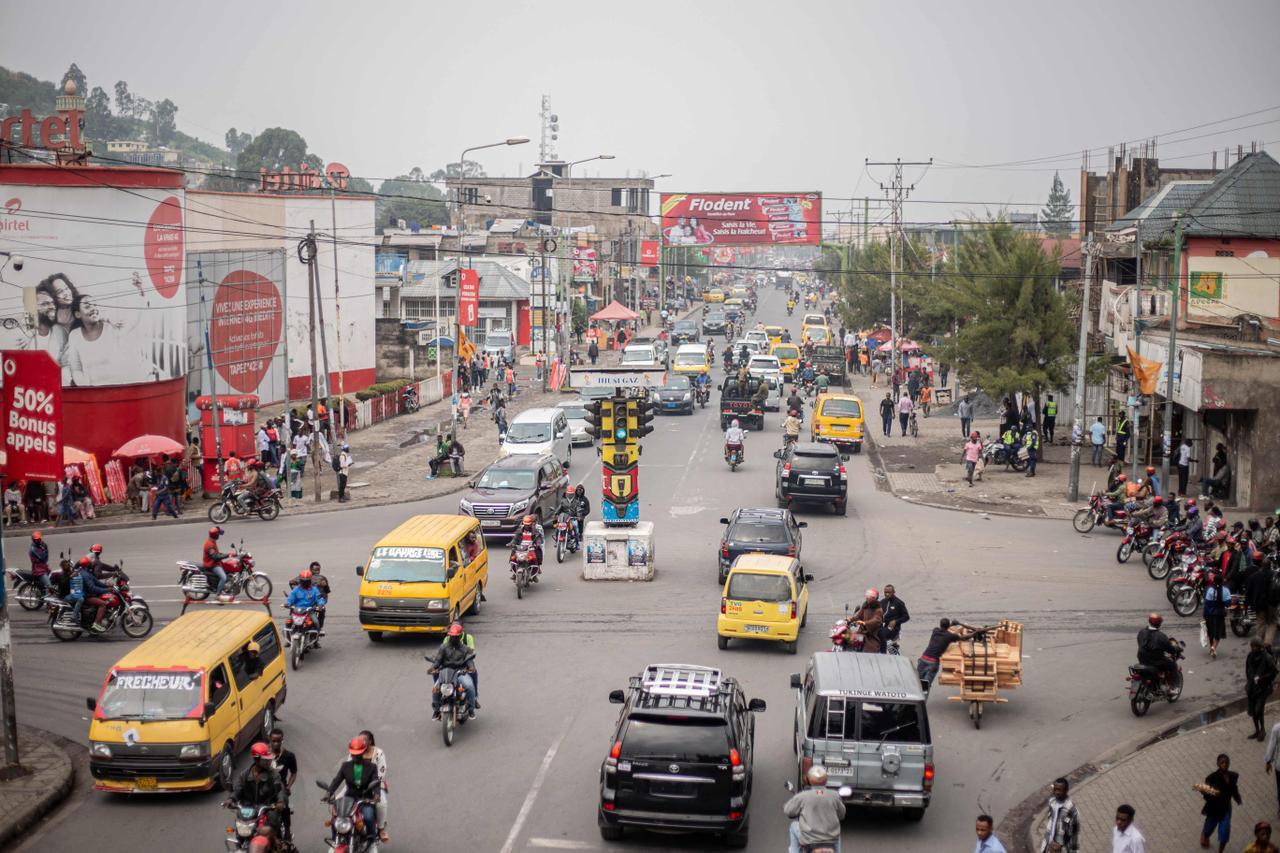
(705, 219)
(584, 263)
(648, 253)
(237, 298)
(468, 298)
(101, 284)
(32, 404)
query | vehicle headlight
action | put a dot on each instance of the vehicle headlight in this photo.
(194, 750)
(465, 506)
(342, 825)
(369, 603)
(688, 395)
(437, 604)
(519, 506)
(100, 750)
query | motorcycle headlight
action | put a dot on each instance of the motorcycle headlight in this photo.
(342, 825)
(100, 750)
(245, 828)
(194, 750)
(369, 603)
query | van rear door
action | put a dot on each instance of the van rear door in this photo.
(892, 746)
(675, 764)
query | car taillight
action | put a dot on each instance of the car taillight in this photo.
(786, 470)
(793, 610)
(735, 815)
(843, 474)
(791, 550)
(805, 764)
(928, 777)
(724, 603)
(611, 763)
(607, 806)
(724, 551)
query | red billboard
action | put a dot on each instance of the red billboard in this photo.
(648, 253)
(468, 297)
(32, 401)
(737, 219)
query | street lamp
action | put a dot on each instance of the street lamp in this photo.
(457, 296)
(569, 166)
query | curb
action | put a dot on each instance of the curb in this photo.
(1018, 824)
(52, 796)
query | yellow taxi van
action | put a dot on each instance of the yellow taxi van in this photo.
(788, 356)
(423, 575)
(174, 712)
(715, 294)
(692, 360)
(774, 333)
(838, 420)
(766, 597)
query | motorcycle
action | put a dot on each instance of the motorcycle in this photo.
(791, 308)
(410, 400)
(250, 831)
(454, 710)
(733, 456)
(1146, 685)
(998, 453)
(129, 612)
(347, 832)
(26, 590)
(1168, 551)
(304, 634)
(1085, 519)
(1136, 536)
(524, 564)
(1185, 595)
(567, 537)
(197, 583)
(265, 506)
(1242, 618)
(702, 393)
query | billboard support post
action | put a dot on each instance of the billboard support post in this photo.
(213, 378)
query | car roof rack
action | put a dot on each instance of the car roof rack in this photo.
(681, 679)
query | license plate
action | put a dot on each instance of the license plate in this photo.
(814, 481)
(670, 789)
(146, 782)
(490, 522)
(756, 629)
(839, 427)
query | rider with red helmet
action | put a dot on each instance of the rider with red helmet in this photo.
(455, 654)
(211, 558)
(359, 775)
(1155, 649)
(529, 524)
(260, 785)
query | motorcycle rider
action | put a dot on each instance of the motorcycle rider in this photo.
(1195, 524)
(794, 402)
(822, 382)
(87, 589)
(806, 373)
(248, 487)
(260, 785)
(786, 336)
(529, 524)
(1156, 650)
(211, 558)
(816, 813)
(577, 505)
(728, 357)
(454, 654)
(360, 776)
(39, 554)
(379, 758)
(1115, 497)
(306, 596)
(870, 619)
(791, 428)
(321, 583)
(735, 438)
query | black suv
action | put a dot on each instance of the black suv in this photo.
(812, 473)
(512, 488)
(684, 332)
(681, 756)
(758, 531)
(713, 322)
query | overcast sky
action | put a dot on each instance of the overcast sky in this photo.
(738, 95)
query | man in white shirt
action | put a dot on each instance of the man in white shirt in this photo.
(1126, 838)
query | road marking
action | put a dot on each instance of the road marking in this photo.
(538, 779)
(561, 844)
(677, 511)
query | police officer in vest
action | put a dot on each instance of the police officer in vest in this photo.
(1122, 435)
(1049, 418)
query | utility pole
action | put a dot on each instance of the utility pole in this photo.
(8, 707)
(1136, 306)
(1073, 483)
(1173, 350)
(213, 376)
(338, 428)
(546, 356)
(897, 194)
(308, 257)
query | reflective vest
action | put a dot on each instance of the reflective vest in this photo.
(1051, 409)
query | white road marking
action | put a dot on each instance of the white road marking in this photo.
(677, 511)
(538, 779)
(561, 844)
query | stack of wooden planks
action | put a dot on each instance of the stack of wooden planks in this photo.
(985, 664)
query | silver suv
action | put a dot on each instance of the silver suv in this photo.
(863, 718)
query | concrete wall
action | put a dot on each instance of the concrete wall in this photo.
(393, 343)
(1246, 384)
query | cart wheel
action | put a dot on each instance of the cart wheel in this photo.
(975, 714)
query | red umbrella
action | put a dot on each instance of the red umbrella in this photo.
(148, 445)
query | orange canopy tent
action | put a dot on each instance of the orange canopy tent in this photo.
(614, 312)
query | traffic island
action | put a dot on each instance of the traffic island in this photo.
(618, 553)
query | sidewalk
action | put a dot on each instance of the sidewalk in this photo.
(928, 469)
(1157, 781)
(24, 800)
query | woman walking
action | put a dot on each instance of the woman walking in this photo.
(1259, 679)
(1216, 597)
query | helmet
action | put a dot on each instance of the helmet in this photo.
(1151, 469)
(569, 490)
(974, 435)
(1191, 502)
(817, 776)
(528, 519)
(215, 532)
(1193, 510)
(84, 561)
(455, 630)
(261, 750)
(1157, 500)
(304, 575)
(1155, 620)
(873, 593)
(1121, 478)
(357, 745)
(36, 536)
(97, 549)
(253, 646)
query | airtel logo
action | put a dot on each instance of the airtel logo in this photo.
(13, 205)
(11, 208)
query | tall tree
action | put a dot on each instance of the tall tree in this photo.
(99, 122)
(864, 283)
(124, 100)
(412, 198)
(1014, 334)
(465, 169)
(1058, 215)
(163, 121)
(74, 73)
(237, 142)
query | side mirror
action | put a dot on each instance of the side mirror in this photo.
(802, 524)
(777, 454)
(756, 705)
(617, 697)
(359, 570)
(724, 521)
(452, 570)
(471, 484)
(795, 680)
(808, 578)
(788, 784)
(91, 703)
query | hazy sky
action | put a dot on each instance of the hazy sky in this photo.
(722, 95)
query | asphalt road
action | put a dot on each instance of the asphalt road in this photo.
(524, 776)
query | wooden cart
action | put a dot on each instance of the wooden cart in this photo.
(983, 665)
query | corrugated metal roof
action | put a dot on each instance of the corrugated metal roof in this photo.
(1156, 213)
(1243, 201)
(496, 281)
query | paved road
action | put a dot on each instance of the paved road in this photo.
(524, 777)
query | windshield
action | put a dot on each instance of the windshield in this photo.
(790, 353)
(676, 739)
(645, 356)
(152, 695)
(499, 478)
(841, 409)
(764, 364)
(574, 412)
(497, 339)
(691, 358)
(745, 531)
(408, 565)
(685, 326)
(714, 317)
(818, 333)
(528, 433)
(677, 382)
(749, 586)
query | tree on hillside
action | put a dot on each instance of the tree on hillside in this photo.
(1058, 215)
(237, 141)
(413, 198)
(273, 149)
(98, 118)
(466, 169)
(1014, 334)
(74, 73)
(163, 121)
(124, 100)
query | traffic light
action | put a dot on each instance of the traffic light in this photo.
(640, 415)
(600, 418)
